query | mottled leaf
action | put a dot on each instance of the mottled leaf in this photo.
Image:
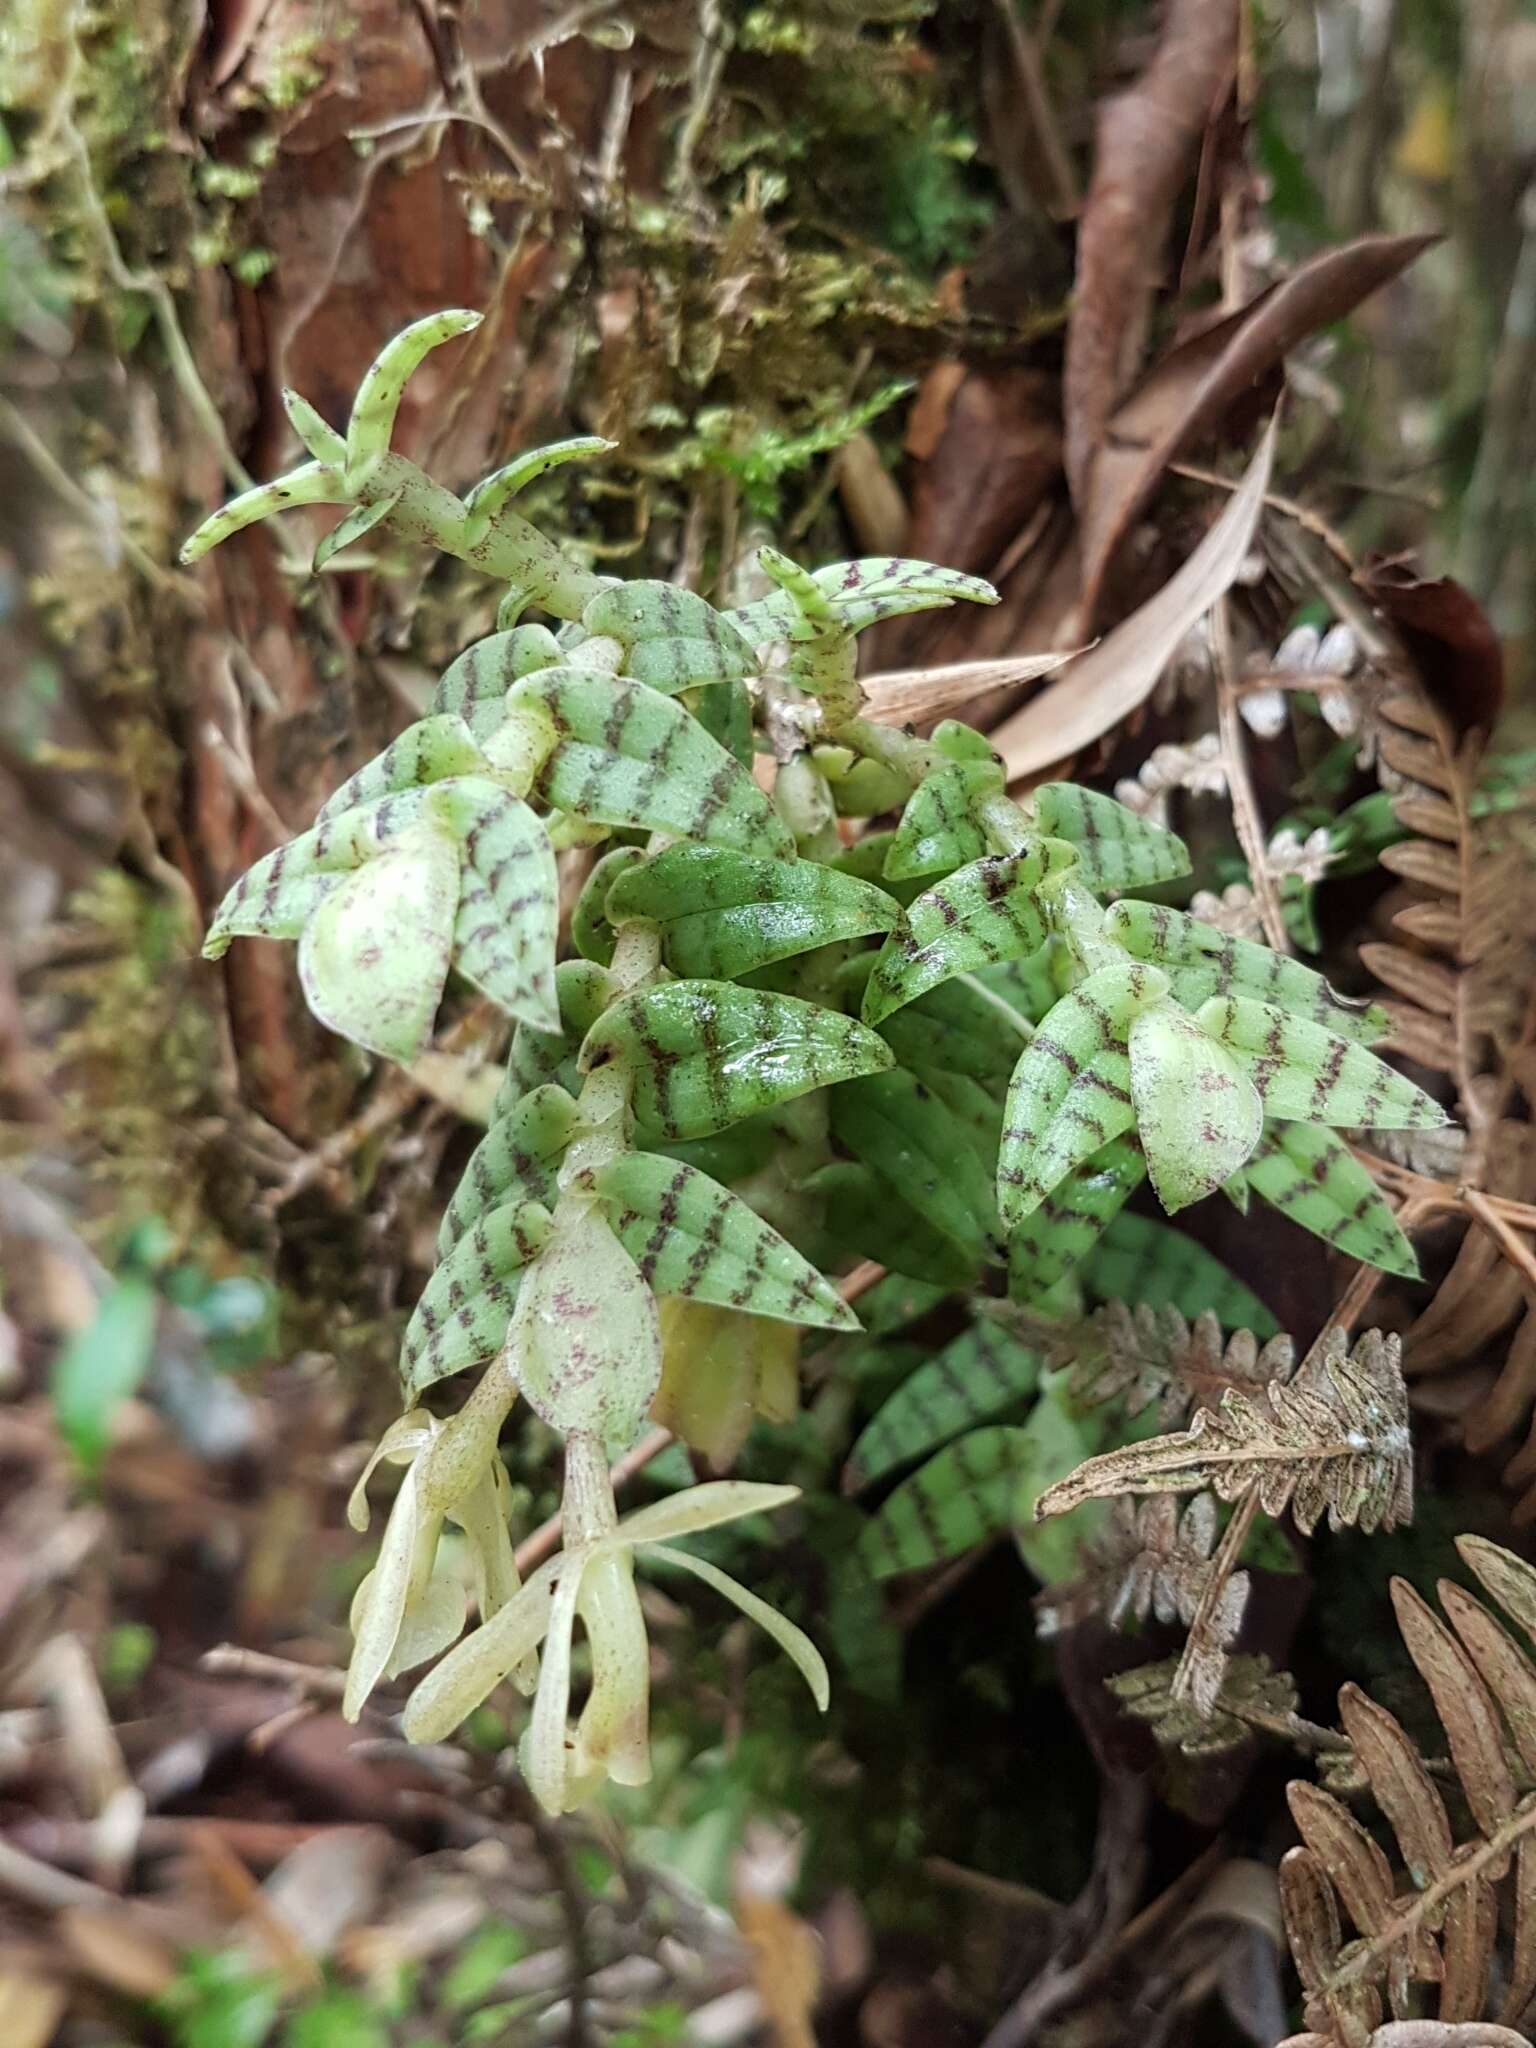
(869, 1219)
(964, 1496)
(584, 1340)
(688, 1235)
(462, 1315)
(1310, 1075)
(509, 900)
(583, 990)
(1117, 848)
(939, 829)
(1143, 1260)
(429, 751)
(374, 956)
(475, 686)
(626, 755)
(1311, 1176)
(898, 1126)
(1197, 1114)
(975, 1377)
(702, 1053)
(984, 913)
(515, 1160)
(723, 914)
(672, 639)
(592, 932)
(860, 594)
(1071, 1090)
(960, 1027)
(1061, 1233)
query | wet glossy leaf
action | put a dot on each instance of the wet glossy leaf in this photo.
(1072, 1218)
(704, 1054)
(723, 914)
(938, 829)
(976, 1376)
(1313, 1177)
(982, 914)
(1116, 848)
(901, 1128)
(688, 1235)
(1197, 1114)
(592, 933)
(626, 755)
(1308, 1074)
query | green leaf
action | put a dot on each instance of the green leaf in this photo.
(977, 1376)
(1063, 1231)
(868, 1217)
(475, 686)
(1117, 848)
(898, 1126)
(703, 1054)
(725, 712)
(672, 638)
(374, 957)
(1313, 1177)
(626, 755)
(866, 859)
(515, 1160)
(592, 932)
(277, 896)
(429, 751)
(1034, 986)
(1202, 961)
(509, 900)
(584, 1340)
(102, 1364)
(982, 914)
(462, 1315)
(964, 1496)
(1059, 1436)
(688, 1235)
(938, 828)
(583, 991)
(1144, 1261)
(1198, 1116)
(1310, 1075)
(860, 594)
(724, 914)
(961, 1027)
(1071, 1090)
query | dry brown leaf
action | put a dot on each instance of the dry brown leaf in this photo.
(786, 1968)
(1145, 140)
(1105, 685)
(909, 696)
(31, 2008)
(1197, 385)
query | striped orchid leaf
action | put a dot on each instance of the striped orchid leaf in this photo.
(960, 1027)
(977, 1376)
(276, 897)
(981, 915)
(474, 688)
(1117, 848)
(703, 1054)
(626, 755)
(672, 639)
(1202, 961)
(592, 933)
(585, 1339)
(909, 1135)
(1071, 1090)
(516, 1160)
(1307, 1074)
(965, 1495)
(583, 990)
(938, 829)
(724, 914)
(1151, 1263)
(429, 751)
(866, 859)
(861, 594)
(688, 1235)
(1197, 1113)
(978, 1116)
(1034, 986)
(1312, 1176)
(373, 958)
(868, 1219)
(1058, 1236)
(509, 899)
(462, 1316)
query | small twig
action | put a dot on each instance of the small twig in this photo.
(24, 1877)
(229, 1660)
(1427, 1194)
(1246, 815)
(1518, 1253)
(1038, 110)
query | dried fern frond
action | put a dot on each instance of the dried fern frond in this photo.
(1252, 1696)
(1140, 1355)
(1439, 1923)
(1332, 1439)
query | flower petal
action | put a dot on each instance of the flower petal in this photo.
(701, 1507)
(474, 1668)
(405, 1436)
(484, 1515)
(793, 1641)
(613, 1736)
(380, 1604)
(543, 1749)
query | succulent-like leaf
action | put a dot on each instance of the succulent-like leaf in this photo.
(703, 1054)
(372, 421)
(277, 896)
(584, 1339)
(1313, 1177)
(1197, 1114)
(1117, 848)
(1202, 961)
(976, 1376)
(901, 1128)
(1143, 1260)
(509, 899)
(860, 594)
(360, 520)
(688, 1235)
(374, 957)
(672, 639)
(965, 1495)
(960, 1027)
(723, 914)
(515, 1160)
(428, 751)
(583, 990)
(1308, 1074)
(1060, 1234)
(867, 1217)
(1335, 1438)
(1071, 1090)
(463, 1312)
(475, 686)
(982, 914)
(502, 485)
(626, 755)
(312, 483)
(939, 829)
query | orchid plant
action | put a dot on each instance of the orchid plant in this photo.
(783, 1041)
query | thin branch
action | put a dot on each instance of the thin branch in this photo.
(1246, 815)
(1066, 196)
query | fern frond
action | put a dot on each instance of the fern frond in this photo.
(1142, 1355)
